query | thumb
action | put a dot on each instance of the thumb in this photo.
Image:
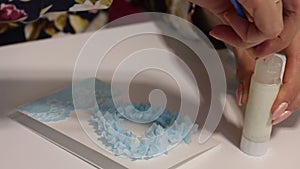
(284, 104)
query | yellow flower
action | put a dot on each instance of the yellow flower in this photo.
(78, 23)
(80, 1)
(61, 21)
(106, 2)
(5, 26)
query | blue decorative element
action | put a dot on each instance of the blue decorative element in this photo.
(168, 130)
(142, 113)
(59, 105)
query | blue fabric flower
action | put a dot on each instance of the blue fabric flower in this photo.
(168, 130)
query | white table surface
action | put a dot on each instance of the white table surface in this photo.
(31, 70)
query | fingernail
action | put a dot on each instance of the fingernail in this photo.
(215, 35)
(282, 117)
(212, 33)
(280, 110)
(239, 95)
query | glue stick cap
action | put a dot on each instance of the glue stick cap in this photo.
(253, 148)
(268, 72)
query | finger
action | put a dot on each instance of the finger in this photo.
(277, 44)
(246, 30)
(228, 35)
(291, 27)
(289, 89)
(244, 71)
(267, 15)
(239, 95)
(288, 99)
(282, 117)
(271, 46)
(295, 104)
(241, 32)
(246, 86)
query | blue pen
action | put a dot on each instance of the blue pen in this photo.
(239, 8)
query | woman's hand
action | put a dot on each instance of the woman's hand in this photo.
(271, 26)
(265, 21)
(288, 99)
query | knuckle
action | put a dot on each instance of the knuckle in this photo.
(277, 44)
(296, 5)
(284, 43)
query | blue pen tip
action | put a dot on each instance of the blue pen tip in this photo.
(239, 9)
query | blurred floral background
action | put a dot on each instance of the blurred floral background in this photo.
(27, 20)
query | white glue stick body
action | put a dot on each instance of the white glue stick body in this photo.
(265, 84)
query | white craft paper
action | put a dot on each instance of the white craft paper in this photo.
(72, 128)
